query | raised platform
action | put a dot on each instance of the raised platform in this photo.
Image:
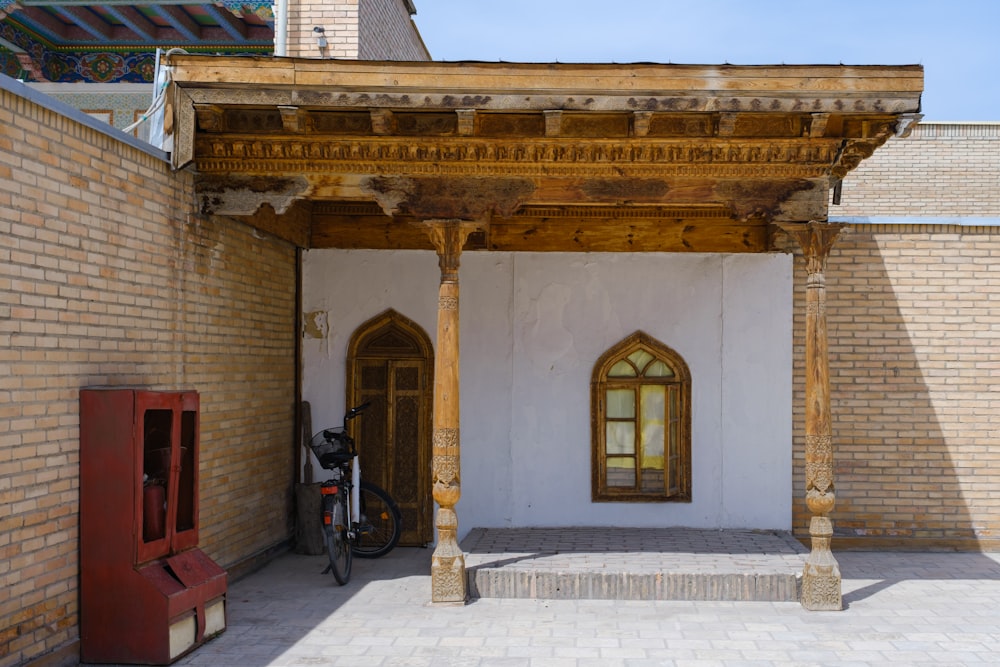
(633, 564)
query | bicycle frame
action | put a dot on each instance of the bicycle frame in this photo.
(348, 527)
(335, 485)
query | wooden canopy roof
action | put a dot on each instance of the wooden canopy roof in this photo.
(548, 157)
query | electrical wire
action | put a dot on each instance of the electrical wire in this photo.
(159, 94)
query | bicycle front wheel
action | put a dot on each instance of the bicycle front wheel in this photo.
(381, 523)
(338, 545)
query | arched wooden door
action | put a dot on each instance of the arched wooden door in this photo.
(390, 362)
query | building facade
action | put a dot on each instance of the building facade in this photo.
(112, 275)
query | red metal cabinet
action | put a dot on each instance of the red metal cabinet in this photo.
(148, 595)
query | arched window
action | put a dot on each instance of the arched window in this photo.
(641, 432)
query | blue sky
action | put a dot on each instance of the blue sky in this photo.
(957, 41)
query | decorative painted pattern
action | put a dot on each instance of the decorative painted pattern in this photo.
(104, 63)
(124, 107)
(96, 67)
(264, 10)
(10, 65)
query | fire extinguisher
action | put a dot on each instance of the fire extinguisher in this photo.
(154, 512)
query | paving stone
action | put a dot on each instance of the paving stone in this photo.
(901, 609)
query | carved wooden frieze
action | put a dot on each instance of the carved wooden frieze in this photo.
(807, 158)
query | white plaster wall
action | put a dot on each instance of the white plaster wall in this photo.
(757, 391)
(532, 326)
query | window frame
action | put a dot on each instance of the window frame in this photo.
(600, 383)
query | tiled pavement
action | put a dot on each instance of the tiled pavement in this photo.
(901, 609)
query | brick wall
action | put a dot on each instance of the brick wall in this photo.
(387, 32)
(365, 29)
(107, 278)
(339, 20)
(914, 332)
(941, 169)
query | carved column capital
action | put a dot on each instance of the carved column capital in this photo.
(816, 239)
(449, 237)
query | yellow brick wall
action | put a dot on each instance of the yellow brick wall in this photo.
(941, 169)
(914, 333)
(108, 278)
(354, 29)
(339, 19)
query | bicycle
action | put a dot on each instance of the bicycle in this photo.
(359, 518)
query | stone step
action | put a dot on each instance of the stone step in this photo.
(486, 582)
(633, 564)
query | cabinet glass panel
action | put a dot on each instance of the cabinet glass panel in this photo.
(156, 439)
(186, 475)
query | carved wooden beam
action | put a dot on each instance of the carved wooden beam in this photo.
(382, 121)
(466, 122)
(558, 231)
(553, 122)
(817, 126)
(640, 123)
(294, 119)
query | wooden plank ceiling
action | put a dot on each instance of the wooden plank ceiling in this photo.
(547, 157)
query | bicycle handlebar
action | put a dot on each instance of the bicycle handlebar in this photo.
(355, 411)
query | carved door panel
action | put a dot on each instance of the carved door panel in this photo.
(391, 439)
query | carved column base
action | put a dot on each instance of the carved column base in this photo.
(448, 580)
(821, 581)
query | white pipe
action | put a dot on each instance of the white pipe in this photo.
(280, 28)
(356, 492)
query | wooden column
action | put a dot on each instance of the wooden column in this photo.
(448, 581)
(821, 581)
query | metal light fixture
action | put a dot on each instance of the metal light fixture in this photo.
(320, 37)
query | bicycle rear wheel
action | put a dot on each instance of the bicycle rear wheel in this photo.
(338, 545)
(381, 523)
